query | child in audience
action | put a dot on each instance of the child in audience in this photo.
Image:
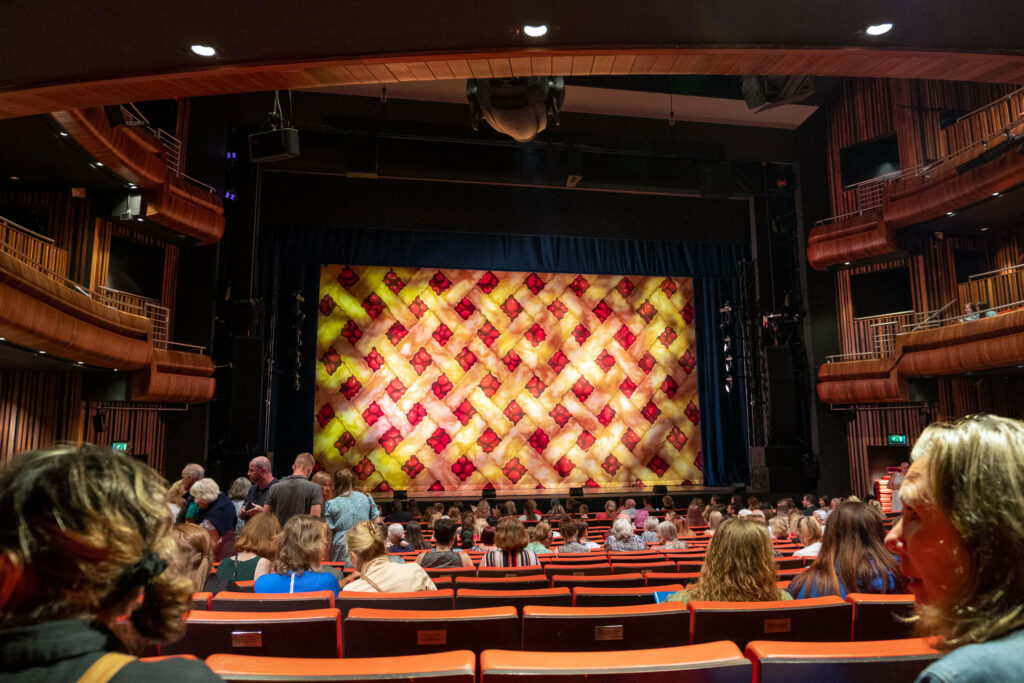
(540, 536)
(739, 567)
(961, 545)
(86, 540)
(852, 558)
(297, 565)
(377, 573)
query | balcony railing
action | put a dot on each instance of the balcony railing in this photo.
(139, 305)
(172, 145)
(38, 248)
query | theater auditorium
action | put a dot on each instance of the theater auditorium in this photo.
(565, 272)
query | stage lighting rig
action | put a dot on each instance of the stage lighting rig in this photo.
(517, 107)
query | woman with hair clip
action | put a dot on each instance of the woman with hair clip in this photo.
(86, 540)
(961, 546)
(195, 553)
(375, 570)
(342, 512)
(852, 557)
(739, 567)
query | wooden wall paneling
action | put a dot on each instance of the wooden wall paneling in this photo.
(46, 254)
(169, 291)
(871, 428)
(69, 222)
(145, 430)
(38, 410)
(100, 262)
(960, 396)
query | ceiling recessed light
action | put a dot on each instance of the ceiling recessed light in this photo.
(79, 363)
(63, 134)
(140, 219)
(3, 338)
(878, 29)
(204, 50)
(116, 370)
(984, 229)
(951, 213)
(42, 353)
(98, 164)
(132, 186)
(535, 31)
(995, 194)
(14, 177)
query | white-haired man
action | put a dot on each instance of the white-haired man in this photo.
(190, 474)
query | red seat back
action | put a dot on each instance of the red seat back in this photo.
(609, 597)
(420, 600)
(227, 601)
(382, 632)
(607, 581)
(878, 661)
(555, 629)
(442, 667)
(823, 619)
(880, 616)
(470, 598)
(306, 633)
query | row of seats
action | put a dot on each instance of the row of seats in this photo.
(718, 662)
(371, 631)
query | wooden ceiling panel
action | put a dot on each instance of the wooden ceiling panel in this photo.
(561, 65)
(521, 67)
(501, 68)
(481, 68)
(460, 68)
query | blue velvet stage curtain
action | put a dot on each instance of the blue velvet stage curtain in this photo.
(714, 268)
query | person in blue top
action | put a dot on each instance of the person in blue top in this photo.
(347, 508)
(852, 558)
(298, 559)
(961, 544)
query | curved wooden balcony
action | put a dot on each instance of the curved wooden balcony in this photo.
(131, 152)
(874, 380)
(185, 208)
(855, 237)
(43, 314)
(174, 377)
(971, 346)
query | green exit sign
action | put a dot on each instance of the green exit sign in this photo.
(897, 439)
(123, 446)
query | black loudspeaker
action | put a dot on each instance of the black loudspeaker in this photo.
(490, 493)
(781, 396)
(660, 490)
(99, 422)
(246, 391)
(401, 494)
(576, 492)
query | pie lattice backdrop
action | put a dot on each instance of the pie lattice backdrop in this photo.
(462, 379)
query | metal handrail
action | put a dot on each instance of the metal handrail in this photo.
(931, 318)
(998, 271)
(981, 315)
(172, 144)
(991, 104)
(190, 348)
(829, 359)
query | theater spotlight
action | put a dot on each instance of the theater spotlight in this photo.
(728, 384)
(728, 363)
(727, 345)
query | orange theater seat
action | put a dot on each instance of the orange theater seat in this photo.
(529, 570)
(575, 558)
(880, 616)
(870, 660)
(469, 598)
(594, 569)
(690, 566)
(661, 578)
(631, 627)
(384, 632)
(226, 601)
(514, 583)
(607, 581)
(201, 600)
(609, 597)
(646, 556)
(791, 562)
(308, 633)
(441, 667)
(720, 662)
(421, 600)
(827, 618)
(643, 567)
(434, 572)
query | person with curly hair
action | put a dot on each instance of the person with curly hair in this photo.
(86, 540)
(961, 545)
(739, 567)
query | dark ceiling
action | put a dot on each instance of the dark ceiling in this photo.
(58, 42)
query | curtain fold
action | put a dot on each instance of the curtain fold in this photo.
(714, 267)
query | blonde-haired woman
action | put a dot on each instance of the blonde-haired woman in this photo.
(257, 543)
(668, 537)
(610, 509)
(195, 553)
(86, 540)
(540, 539)
(376, 572)
(809, 532)
(298, 560)
(739, 567)
(961, 545)
(324, 481)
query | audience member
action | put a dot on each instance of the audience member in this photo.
(714, 521)
(295, 494)
(216, 515)
(396, 539)
(510, 537)
(570, 529)
(443, 555)
(629, 509)
(556, 513)
(969, 312)
(622, 538)
(486, 542)
(852, 558)
(807, 504)
(895, 482)
(262, 479)
(298, 560)
(584, 512)
(961, 546)
(376, 572)
(984, 310)
(323, 480)
(650, 534)
(808, 531)
(510, 508)
(188, 509)
(668, 503)
(540, 538)
(572, 506)
(695, 513)
(739, 567)
(399, 514)
(237, 493)
(610, 509)
(257, 543)
(822, 517)
(667, 537)
(195, 553)
(345, 510)
(86, 539)
(640, 520)
(414, 536)
(779, 528)
(529, 511)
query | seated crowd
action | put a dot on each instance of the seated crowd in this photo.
(91, 546)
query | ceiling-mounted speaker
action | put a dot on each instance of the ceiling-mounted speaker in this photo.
(576, 492)
(274, 145)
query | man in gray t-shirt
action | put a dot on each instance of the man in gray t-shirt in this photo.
(295, 494)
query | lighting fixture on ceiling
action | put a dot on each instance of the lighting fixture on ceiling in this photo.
(14, 177)
(984, 229)
(995, 194)
(42, 353)
(79, 363)
(878, 29)
(535, 31)
(63, 134)
(846, 263)
(203, 50)
(951, 213)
